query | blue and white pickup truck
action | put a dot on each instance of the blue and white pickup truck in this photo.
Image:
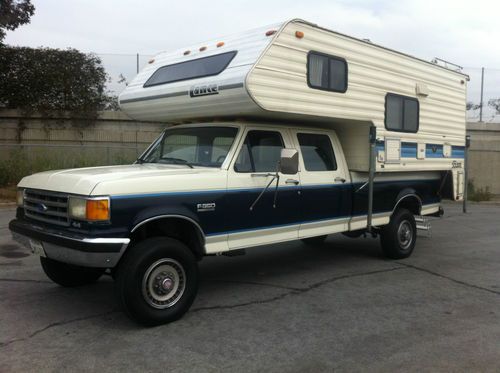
(257, 164)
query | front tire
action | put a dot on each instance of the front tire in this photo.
(69, 275)
(399, 237)
(157, 281)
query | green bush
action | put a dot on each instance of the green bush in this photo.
(52, 80)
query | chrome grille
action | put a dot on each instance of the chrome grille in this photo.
(49, 207)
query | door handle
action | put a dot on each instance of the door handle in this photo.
(292, 181)
(339, 179)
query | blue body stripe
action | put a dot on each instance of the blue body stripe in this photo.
(409, 150)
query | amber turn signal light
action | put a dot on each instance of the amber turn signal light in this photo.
(97, 209)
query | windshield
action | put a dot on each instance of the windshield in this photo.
(195, 146)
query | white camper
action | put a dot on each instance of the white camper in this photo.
(288, 132)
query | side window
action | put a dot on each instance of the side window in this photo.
(317, 152)
(260, 152)
(326, 72)
(401, 113)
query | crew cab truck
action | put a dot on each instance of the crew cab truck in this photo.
(289, 132)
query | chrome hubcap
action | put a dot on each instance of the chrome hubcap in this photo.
(405, 234)
(164, 283)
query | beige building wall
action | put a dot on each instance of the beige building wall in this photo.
(114, 130)
(484, 155)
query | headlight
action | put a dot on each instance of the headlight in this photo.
(20, 197)
(95, 209)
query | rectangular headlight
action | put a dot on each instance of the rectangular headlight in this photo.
(89, 209)
(20, 197)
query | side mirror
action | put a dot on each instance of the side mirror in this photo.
(289, 161)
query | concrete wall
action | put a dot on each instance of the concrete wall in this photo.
(111, 139)
(115, 133)
(484, 155)
(111, 127)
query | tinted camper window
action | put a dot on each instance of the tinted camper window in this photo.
(326, 72)
(201, 67)
(401, 113)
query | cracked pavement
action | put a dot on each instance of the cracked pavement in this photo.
(287, 307)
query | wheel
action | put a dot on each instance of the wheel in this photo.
(314, 241)
(157, 281)
(70, 275)
(398, 238)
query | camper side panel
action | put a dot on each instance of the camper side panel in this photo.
(278, 82)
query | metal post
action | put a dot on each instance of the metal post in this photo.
(137, 63)
(371, 175)
(466, 172)
(482, 90)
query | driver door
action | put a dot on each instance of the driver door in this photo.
(253, 168)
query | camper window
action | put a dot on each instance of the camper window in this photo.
(401, 113)
(326, 72)
(198, 68)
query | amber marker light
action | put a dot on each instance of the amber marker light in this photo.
(220, 44)
(270, 32)
(97, 209)
(299, 34)
(203, 49)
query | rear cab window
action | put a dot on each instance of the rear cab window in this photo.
(317, 152)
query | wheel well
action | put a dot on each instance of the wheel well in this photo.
(174, 227)
(410, 202)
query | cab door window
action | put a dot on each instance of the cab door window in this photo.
(260, 152)
(317, 152)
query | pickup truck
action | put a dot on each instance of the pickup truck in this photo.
(208, 189)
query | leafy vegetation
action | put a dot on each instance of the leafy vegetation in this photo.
(53, 81)
(14, 13)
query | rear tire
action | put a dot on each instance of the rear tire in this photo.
(69, 275)
(314, 241)
(157, 281)
(398, 238)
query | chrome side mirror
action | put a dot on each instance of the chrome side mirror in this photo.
(289, 161)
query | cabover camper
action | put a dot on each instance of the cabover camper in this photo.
(288, 132)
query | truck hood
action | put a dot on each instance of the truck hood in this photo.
(85, 181)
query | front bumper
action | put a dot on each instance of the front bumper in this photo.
(72, 249)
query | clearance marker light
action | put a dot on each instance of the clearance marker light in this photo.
(299, 34)
(270, 32)
(186, 53)
(203, 49)
(220, 44)
(151, 60)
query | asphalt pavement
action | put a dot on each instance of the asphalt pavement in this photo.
(288, 307)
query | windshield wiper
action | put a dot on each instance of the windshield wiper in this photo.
(176, 161)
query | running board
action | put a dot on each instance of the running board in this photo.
(423, 224)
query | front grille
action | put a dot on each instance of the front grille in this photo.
(49, 207)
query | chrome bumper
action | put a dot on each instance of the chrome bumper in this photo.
(87, 252)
